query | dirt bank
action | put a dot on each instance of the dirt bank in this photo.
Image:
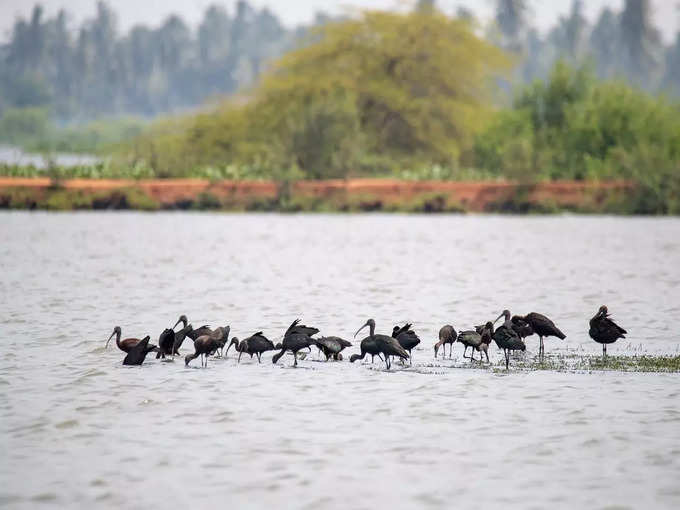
(352, 194)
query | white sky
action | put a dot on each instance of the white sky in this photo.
(293, 12)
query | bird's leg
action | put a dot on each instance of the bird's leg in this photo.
(487, 356)
(295, 356)
(450, 350)
(259, 360)
(410, 359)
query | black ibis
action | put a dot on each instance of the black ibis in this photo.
(472, 339)
(220, 334)
(203, 330)
(203, 347)
(296, 327)
(368, 346)
(447, 335)
(604, 330)
(386, 345)
(331, 346)
(166, 343)
(293, 342)
(506, 338)
(407, 338)
(521, 327)
(487, 335)
(255, 344)
(126, 344)
(137, 354)
(183, 319)
(179, 338)
(538, 324)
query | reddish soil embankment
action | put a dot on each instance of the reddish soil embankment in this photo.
(362, 194)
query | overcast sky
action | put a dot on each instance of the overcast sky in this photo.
(294, 12)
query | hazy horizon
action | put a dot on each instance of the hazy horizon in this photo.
(666, 14)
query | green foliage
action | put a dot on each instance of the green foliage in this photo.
(574, 127)
(19, 125)
(33, 130)
(382, 92)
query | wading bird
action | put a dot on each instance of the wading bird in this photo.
(472, 339)
(255, 344)
(447, 335)
(386, 345)
(220, 334)
(506, 338)
(604, 330)
(179, 338)
(166, 343)
(487, 336)
(203, 347)
(293, 342)
(407, 338)
(331, 346)
(126, 344)
(138, 353)
(368, 346)
(538, 324)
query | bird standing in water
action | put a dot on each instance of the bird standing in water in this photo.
(124, 345)
(166, 343)
(386, 345)
(447, 335)
(138, 353)
(407, 338)
(204, 346)
(255, 344)
(368, 346)
(538, 324)
(294, 343)
(604, 330)
(331, 346)
(506, 338)
(472, 339)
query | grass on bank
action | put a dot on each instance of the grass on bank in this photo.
(574, 363)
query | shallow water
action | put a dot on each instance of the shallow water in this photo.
(77, 428)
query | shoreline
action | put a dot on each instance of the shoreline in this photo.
(351, 195)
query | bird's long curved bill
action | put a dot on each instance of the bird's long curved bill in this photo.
(180, 320)
(501, 315)
(362, 327)
(107, 342)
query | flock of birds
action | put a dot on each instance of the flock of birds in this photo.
(509, 337)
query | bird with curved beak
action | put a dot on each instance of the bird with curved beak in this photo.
(183, 319)
(386, 345)
(125, 345)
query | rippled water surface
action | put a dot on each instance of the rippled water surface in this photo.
(77, 429)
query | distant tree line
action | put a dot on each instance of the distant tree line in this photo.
(98, 71)
(622, 44)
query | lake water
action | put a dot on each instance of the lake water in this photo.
(78, 430)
